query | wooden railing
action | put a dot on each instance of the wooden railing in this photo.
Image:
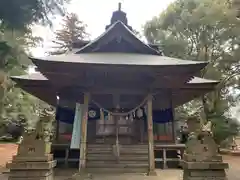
(179, 148)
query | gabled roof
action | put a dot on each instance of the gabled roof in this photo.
(118, 59)
(117, 46)
(39, 86)
(118, 38)
(37, 76)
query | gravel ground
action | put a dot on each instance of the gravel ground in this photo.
(8, 150)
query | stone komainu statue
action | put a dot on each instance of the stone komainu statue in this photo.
(200, 145)
(44, 127)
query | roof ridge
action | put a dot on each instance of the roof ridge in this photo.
(111, 28)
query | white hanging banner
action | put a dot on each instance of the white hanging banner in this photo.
(76, 134)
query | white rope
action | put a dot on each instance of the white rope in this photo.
(122, 113)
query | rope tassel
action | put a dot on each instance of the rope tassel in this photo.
(102, 115)
(109, 116)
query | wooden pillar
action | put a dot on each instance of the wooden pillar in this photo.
(57, 129)
(151, 157)
(83, 143)
(173, 120)
(57, 121)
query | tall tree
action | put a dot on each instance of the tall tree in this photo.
(205, 30)
(72, 31)
(29, 11)
(15, 39)
(17, 107)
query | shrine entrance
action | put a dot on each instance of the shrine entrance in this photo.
(119, 129)
(121, 125)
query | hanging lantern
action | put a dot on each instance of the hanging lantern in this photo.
(134, 114)
(139, 113)
(131, 117)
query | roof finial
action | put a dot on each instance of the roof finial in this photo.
(119, 15)
(119, 6)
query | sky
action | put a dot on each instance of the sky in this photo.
(97, 14)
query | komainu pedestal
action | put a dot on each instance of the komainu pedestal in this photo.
(33, 160)
(201, 160)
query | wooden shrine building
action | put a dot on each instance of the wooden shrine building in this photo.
(129, 90)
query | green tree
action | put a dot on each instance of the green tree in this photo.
(29, 11)
(15, 40)
(18, 108)
(72, 30)
(205, 30)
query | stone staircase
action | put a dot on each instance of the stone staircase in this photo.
(102, 159)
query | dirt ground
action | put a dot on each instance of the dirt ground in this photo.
(6, 153)
(8, 150)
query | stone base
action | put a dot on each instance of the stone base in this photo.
(204, 175)
(30, 165)
(33, 158)
(204, 165)
(193, 158)
(204, 170)
(50, 177)
(30, 170)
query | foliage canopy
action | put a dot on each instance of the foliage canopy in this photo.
(204, 30)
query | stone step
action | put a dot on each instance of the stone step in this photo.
(115, 165)
(122, 154)
(121, 150)
(114, 161)
(99, 145)
(99, 151)
(135, 146)
(116, 170)
(126, 151)
(111, 157)
(123, 145)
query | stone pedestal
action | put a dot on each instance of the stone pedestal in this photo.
(33, 160)
(204, 170)
(31, 170)
(201, 160)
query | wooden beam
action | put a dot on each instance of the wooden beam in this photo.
(83, 143)
(107, 91)
(151, 158)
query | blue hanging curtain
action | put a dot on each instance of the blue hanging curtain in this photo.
(163, 116)
(66, 115)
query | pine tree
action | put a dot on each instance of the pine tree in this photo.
(73, 30)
